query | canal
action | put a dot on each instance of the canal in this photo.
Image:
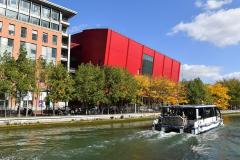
(122, 141)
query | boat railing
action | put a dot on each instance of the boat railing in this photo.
(175, 121)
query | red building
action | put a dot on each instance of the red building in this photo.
(107, 47)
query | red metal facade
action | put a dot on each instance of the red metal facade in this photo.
(107, 47)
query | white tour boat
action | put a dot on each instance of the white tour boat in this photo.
(189, 119)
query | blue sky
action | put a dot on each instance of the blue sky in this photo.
(203, 34)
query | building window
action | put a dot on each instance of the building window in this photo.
(34, 35)
(147, 65)
(45, 24)
(13, 3)
(11, 14)
(45, 38)
(35, 9)
(23, 17)
(2, 2)
(55, 26)
(6, 45)
(24, 6)
(23, 32)
(1, 26)
(11, 29)
(54, 53)
(54, 40)
(49, 54)
(45, 12)
(55, 15)
(34, 20)
(30, 48)
(2, 11)
(10, 42)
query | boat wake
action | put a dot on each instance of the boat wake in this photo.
(150, 135)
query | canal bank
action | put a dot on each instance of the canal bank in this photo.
(230, 112)
(84, 119)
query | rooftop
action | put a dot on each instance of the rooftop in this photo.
(68, 12)
(193, 106)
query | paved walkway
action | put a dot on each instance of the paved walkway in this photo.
(62, 119)
(230, 111)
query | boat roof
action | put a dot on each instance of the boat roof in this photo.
(192, 106)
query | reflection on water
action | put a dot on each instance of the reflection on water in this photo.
(124, 141)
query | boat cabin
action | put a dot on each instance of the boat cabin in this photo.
(188, 118)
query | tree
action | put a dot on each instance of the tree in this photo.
(41, 78)
(233, 86)
(196, 91)
(120, 86)
(9, 77)
(166, 92)
(89, 85)
(59, 84)
(219, 95)
(25, 76)
(143, 86)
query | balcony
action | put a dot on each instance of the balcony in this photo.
(65, 22)
(64, 45)
(64, 58)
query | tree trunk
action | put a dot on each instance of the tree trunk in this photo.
(27, 105)
(53, 109)
(10, 98)
(5, 109)
(19, 106)
(37, 104)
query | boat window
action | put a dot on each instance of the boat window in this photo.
(190, 113)
(208, 112)
(201, 113)
(214, 111)
(218, 113)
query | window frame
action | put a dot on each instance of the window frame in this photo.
(33, 10)
(34, 35)
(45, 39)
(55, 40)
(147, 59)
(25, 33)
(11, 31)
(1, 26)
(22, 7)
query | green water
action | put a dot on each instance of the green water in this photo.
(126, 141)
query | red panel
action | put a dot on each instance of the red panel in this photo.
(158, 65)
(167, 72)
(175, 71)
(91, 46)
(134, 58)
(148, 51)
(117, 55)
(106, 47)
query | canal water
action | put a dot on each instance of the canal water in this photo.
(124, 141)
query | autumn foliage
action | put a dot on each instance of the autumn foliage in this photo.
(160, 91)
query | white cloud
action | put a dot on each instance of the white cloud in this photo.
(220, 28)
(231, 75)
(212, 4)
(206, 73)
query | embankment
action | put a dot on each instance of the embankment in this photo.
(24, 121)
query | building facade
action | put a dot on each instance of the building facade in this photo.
(107, 47)
(40, 27)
